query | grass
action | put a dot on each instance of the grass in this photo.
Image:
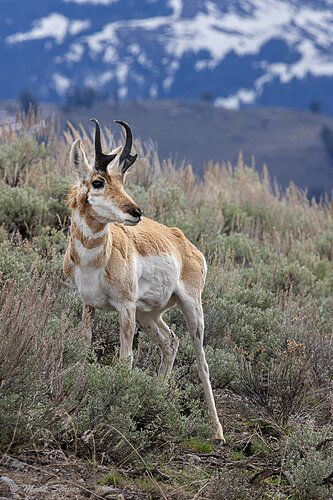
(268, 307)
(199, 445)
(112, 478)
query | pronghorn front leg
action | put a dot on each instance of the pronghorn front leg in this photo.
(88, 314)
(127, 330)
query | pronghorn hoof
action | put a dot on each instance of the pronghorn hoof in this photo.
(219, 439)
(219, 442)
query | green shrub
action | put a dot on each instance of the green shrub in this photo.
(308, 461)
(48, 373)
(31, 371)
(23, 210)
(237, 246)
(246, 315)
(125, 408)
(50, 243)
(18, 262)
(324, 243)
(26, 211)
(280, 387)
(268, 305)
(231, 484)
(19, 158)
(55, 190)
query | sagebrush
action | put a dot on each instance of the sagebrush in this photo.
(268, 308)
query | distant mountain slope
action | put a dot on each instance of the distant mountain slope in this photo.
(236, 52)
(288, 141)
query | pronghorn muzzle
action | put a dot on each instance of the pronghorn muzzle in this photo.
(136, 213)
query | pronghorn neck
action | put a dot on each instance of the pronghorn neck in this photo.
(90, 239)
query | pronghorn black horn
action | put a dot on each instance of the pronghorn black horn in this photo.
(101, 160)
(126, 158)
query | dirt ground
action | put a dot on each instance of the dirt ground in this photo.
(53, 476)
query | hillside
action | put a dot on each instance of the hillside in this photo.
(75, 422)
(236, 53)
(288, 141)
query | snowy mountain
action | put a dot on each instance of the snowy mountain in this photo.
(236, 52)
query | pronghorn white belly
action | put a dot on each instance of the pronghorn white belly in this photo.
(88, 279)
(158, 277)
(88, 282)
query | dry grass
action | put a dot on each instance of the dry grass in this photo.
(268, 310)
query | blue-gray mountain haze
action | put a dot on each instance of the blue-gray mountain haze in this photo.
(237, 53)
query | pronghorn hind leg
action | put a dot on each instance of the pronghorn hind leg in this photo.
(126, 331)
(192, 309)
(88, 313)
(169, 356)
(159, 333)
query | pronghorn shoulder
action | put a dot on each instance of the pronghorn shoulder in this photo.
(150, 237)
(147, 238)
(153, 238)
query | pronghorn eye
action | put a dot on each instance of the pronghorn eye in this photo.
(98, 184)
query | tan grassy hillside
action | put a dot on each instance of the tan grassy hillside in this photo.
(268, 307)
(290, 141)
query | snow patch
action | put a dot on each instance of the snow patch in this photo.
(153, 91)
(134, 49)
(121, 72)
(122, 92)
(204, 64)
(137, 78)
(220, 33)
(111, 55)
(158, 43)
(167, 83)
(243, 96)
(53, 26)
(75, 53)
(177, 7)
(76, 26)
(311, 62)
(144, 61)
(105, 77)
(108, 35)
(61, 83)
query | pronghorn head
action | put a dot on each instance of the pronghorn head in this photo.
(101, 186)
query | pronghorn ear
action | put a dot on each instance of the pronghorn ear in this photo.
(113, 167)
(79, 161)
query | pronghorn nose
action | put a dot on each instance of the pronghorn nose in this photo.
(136, 212)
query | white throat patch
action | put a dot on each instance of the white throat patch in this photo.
(85, 229)
(87, 254)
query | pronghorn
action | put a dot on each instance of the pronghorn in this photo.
(120, 260)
